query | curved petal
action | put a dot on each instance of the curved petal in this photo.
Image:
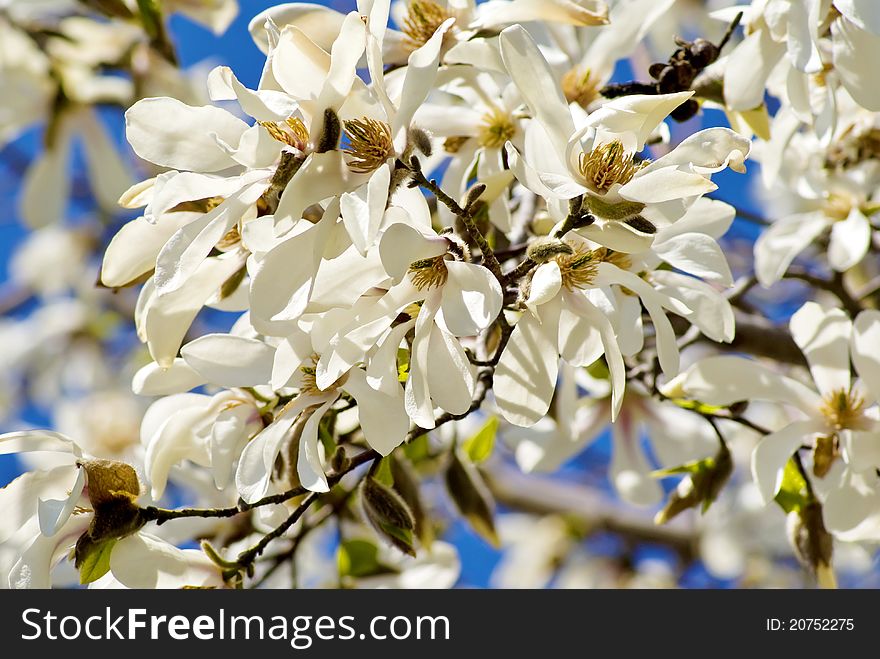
(849, 242)
(853, 51)
(747, 70)
(26, 441)
(726, 379)
(773, 452)
(230, 361)
(383, 418)
(54, 513)
(665, 184)
(865, 355)
(536, 83)
(525, 378)
(145, 561)
(308, 461)
(402, 244)
(697, 254)
(172, 134)
(451, 376)
(852, 511)
(630, 471)
(153, 380)
(782, 241)
(823, 335)
(471, 299)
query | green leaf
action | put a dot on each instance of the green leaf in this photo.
(383, 472)
(402, 364)
(697, 406)
(95, 561)
(694, 467)
(388, 514)
(358, 558)
(793, 494)
(472, 498)
(479, 447)
(417, 449)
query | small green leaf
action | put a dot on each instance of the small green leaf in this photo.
(697, 406)
(479, 447)
(472, 498)
(417, 449)
(95, 561)
(358, 558)
(402, 364)
(383, 472)
(388, 514)
(793, 494)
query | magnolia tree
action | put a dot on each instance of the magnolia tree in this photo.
(457, 253)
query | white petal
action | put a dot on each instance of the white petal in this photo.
(782, 241)
(54, 513)
(823, 335)
(853, 52)
(667, 350)
(566, 12)
(172, 134)
(852, 511)
(450, 373)
(724, 379)
(308, 464)
(20, 498)
(167, 318)
(402, 244)
(709, 309)
(865, 355)
(525, 378)
(133, 250)
(266, 105)
(230, 361)
(174, 443)
(697, 254)
(145, 561)
(864, 13)
(26, 441)
(471, 299)
(545, 285)
(773, 452)
(665, 184)
(748, 68)
(421, 70)
(383, 418)
(322, 175)
(46, 185)
(582, 306)
(849, 241)
(537, 85)
(709, 151)
(231, 431)
(638, 114)
(629, 470)
(153, 380)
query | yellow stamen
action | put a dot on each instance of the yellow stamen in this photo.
(843, 409)
(369, 144)
(421, 22)
(429, 273)
(608, 164)
(580, 87)
(579, 268)
(292, 132)
(497, 128)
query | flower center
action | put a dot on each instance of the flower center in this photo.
(579, 87)
(421, 22)
(579, 268)
(292, 132)
(837, 207)
(605, 255)
(454, 144)
(369, 144)
(309, 383)
(429, 273)
(496, 129)
(843, 409)
(608, 164)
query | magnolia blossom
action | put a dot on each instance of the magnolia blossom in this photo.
(49, 510)
(839, 414)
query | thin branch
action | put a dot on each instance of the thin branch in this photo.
(466, 215)
(835, 286)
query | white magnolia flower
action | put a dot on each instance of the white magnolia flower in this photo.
(598, 161)
(676, 435)
(838, 410)
(48, 511)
